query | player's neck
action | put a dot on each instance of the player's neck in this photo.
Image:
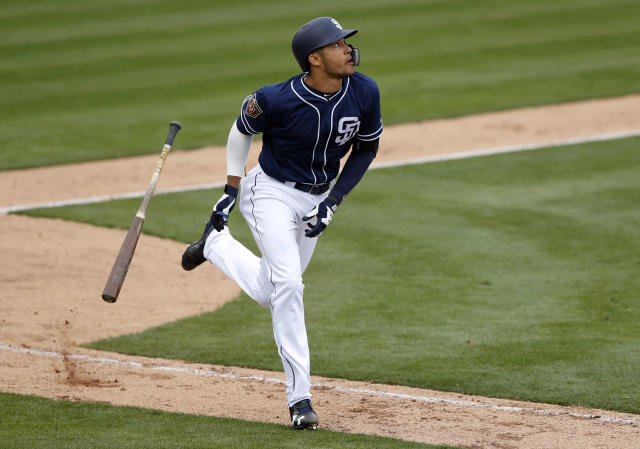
(324, 83)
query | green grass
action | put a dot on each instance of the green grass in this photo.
(87, 79)
(33, 423)
(506, 276)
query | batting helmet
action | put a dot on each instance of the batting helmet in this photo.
(315, 34)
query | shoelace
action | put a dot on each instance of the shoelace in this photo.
(304, 407)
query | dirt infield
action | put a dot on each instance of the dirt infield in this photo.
(52, 273)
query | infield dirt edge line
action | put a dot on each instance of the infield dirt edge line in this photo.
(365, 391)
(436, 158)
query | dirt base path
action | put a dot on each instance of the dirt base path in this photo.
(52, 273)
(401, 142)
(353, 407)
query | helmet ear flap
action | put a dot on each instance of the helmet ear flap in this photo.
(355, 55)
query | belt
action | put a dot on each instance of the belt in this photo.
(314, 189)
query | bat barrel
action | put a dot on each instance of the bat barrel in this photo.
(123, 260)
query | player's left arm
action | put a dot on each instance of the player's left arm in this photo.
(362, 154)
(363, 151)
(358, 162)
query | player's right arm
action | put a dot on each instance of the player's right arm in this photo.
(251, 121)
(238, 145)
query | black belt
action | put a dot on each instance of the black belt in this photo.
(314, 189)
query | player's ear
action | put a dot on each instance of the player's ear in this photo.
(315, 59)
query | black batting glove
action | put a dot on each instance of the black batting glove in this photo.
(223, 208)
(320, 216)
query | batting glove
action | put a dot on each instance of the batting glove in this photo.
(323, 213)
(223, 208)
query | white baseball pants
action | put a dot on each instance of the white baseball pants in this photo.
(274, 213)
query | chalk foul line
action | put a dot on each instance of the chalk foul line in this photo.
(510, 149)
(361, 391)
(374, 166)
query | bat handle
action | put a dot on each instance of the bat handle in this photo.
(174, 127)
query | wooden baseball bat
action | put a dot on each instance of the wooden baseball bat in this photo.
(123, 260)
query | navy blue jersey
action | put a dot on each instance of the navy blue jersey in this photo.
(306, 133)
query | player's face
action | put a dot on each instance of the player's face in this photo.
(337, 59)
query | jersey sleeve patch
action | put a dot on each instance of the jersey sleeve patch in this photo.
(253, 116)
(252, 108)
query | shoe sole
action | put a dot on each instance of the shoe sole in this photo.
(313, 427)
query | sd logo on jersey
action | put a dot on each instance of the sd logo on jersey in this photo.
(347, 128)
(253, 108)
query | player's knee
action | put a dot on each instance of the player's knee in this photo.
(291, 285)
(263, 296)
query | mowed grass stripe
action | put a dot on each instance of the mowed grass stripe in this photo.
(98, 80)
(504, 276)
(172, 40)
(120, 18)
(32, 423)
(448, 62)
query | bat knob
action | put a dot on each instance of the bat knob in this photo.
(174, 127)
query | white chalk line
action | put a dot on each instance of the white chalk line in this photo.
(369, 392)
(374, 166)
(105, 198)
(510, 149)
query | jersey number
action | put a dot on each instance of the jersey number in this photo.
(347, 128)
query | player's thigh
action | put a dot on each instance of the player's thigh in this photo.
(274, 228)
(306, 246)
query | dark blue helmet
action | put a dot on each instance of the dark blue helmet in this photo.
(315, 34)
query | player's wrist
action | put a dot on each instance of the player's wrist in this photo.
(333, 200)
(232, 190)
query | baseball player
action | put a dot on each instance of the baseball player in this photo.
(308, 123)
